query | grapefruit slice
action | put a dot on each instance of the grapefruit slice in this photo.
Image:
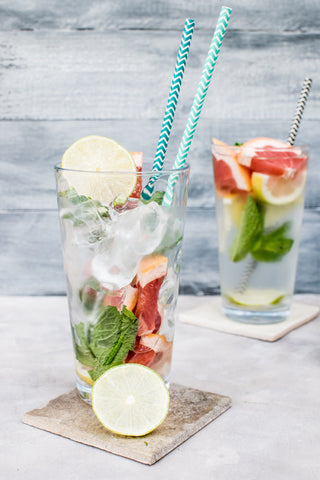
(114, 298)
(138, 160)
(151, 273)
(277, 190)
(142, 354)
(229, 176)
(163, 352)
(131, 297)
(272, 157)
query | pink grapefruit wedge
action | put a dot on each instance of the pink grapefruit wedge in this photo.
(138, 160)
(229, 176)
(151, 273)
(272, 157)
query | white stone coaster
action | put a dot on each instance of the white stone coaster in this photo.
(210, 315)
(190, 410)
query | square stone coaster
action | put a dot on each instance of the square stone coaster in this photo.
(210, 315)
(190, 410)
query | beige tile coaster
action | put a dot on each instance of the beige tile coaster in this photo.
(210, 315)
(190, 410)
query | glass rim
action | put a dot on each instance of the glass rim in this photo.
(148, 172)
(219, 147)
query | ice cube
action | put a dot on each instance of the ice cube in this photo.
(135, 233)
(143, 228)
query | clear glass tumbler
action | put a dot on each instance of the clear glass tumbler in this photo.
(259, 207)
(122, 264)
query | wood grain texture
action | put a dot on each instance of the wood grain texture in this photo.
(61, 75)
(70, 69)
(31, 259)
(165, 14)
(27, 178)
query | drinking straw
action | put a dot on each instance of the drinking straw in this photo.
(299, 110)
(198, 101)
(171, 105)
(251, 266)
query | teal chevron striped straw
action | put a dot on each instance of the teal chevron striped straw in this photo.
(199, 98)
(171, 106)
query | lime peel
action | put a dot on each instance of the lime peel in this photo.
(255, 298)
(130, 399)
(103, 157)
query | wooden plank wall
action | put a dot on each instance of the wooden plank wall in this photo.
(74, 68)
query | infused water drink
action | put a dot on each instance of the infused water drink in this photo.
(122, 262)
(259, 205)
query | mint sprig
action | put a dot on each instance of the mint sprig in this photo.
(81, 208)
(106, 343)
(250, 229)
(272, 246)
(251, 238)
(155, 197)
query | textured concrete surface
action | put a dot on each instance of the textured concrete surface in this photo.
(271, 431)
(190, 410)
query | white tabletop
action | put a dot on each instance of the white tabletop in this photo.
(272, 430)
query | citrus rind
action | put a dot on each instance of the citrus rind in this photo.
(110, 168)
(130, 399)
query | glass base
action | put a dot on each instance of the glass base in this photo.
(84, 390)
(263, 317)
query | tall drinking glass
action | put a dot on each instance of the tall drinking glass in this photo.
(259, 207)
(122, 264)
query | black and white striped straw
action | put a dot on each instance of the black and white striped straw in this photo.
(252, 264)
(299, 110)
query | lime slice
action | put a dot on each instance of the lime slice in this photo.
(130, 399)
(100, 154)
(256, 298)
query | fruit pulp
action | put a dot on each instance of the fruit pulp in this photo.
(258, 234)
(122, 269)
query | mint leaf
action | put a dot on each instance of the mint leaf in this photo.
(88, 294)
(155, 197)
(105, 333)
(108, 342)
(238, 144)
(272, 246)
(81, 209)
(250, 229)
(81, 347)
(127, 339)
(112, 338)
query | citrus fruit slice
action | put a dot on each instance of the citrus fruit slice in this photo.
(83, 372)
(130, 399)
(141, 354)
(277, 190)
(256, 298)
(151, 273)
(138, 159)
(229, 176)
(272, 157)
(100, 154)
(163, 352)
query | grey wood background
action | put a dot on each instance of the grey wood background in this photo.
(72, 68)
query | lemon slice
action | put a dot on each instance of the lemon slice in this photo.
(256, 298)
(277, 190)
(102, 155)
(83, 373)
(130, 399)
